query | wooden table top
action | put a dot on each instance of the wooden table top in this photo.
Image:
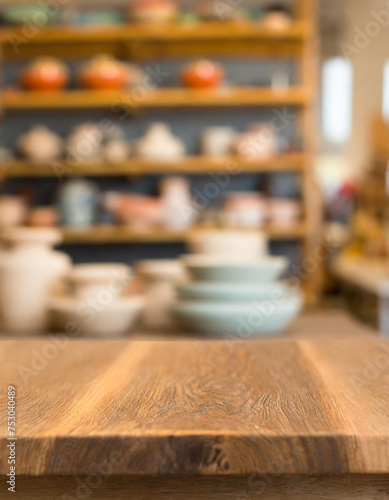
(177, 408)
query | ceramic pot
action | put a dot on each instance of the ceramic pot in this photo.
(229, 243)
(40, 144)
(285, 211)
(45, 74)
(137, 211)
(153, 11)
(159, 279)
(246, 210)
(13, 211)
(116, 151)
(85, 143)
(176, 198)
(159, 144)
(29, 269)
(217, 141)
(277, 19)
(103, 73)
(258, 142)
(77, 203)
(202, 74)
(43, 217)
(99, 281)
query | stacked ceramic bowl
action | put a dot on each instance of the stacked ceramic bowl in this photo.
(236, 295)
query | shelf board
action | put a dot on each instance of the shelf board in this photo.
(200, 165)
(13, 100)
(52, 39)
(124, 234)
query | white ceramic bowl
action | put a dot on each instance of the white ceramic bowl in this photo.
(228, 269)
(93, 280)
(239, 320)
(115, 319)
(245, 244)
(217, 292)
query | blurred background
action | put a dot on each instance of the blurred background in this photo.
(249, 136)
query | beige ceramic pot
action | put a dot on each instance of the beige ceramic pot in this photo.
(13, 211)
(29, 269)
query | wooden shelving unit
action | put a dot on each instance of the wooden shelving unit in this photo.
(161, 98)
(124, 234)
(142, 43)
(201, 165)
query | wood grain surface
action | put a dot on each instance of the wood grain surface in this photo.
(208, 408)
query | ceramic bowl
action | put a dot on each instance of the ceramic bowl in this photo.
(227, 269)
(107, 281)
(239, 320)
(228, 242)
(113, 320)
(204, 291)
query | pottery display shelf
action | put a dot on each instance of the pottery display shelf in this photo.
(295, 162)
(223, 35)
(198, 420)
(125, 234)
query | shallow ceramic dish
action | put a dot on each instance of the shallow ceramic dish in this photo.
(228, 242)
(228, 269)
(240, 320)
(232, 291)
(112, 320)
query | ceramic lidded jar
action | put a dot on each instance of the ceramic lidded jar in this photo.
(40, 144)
(29, 269)
(202, 74)
(77, 203)
(45, 74)
(217, 141)
(104, 73)
(160, 144)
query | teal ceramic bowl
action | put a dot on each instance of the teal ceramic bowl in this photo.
(239, 320)
(209, 291)
(219, 269)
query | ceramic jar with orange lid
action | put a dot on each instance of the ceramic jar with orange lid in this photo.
(104, 73)
(153, 11)
(45, 74)
(202, 74)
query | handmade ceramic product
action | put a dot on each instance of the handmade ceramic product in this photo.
(43, 217)
(93, 281)
(104, 73)
(40, 144)
(277, 17)
(77, 203)
(114, 320)
(243, 320)
(45, 74)
(228, 243)
(138, 211)
(176, 199)
(85, 143)
(217, 141)
(116, 151)
(29, 269)
(234, 269)
(159, 144)
(159, 279)
(153, 11)
(13, 211)
(285, 211)
(202, 74)
(246, 210)
(258, 142)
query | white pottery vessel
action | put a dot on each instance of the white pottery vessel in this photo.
(159, 279)
(85, 143)
(160, 144)
(176, 199)
(29, 269)
(99, 281)
(40, 144)
(13, 211)
(217, 141)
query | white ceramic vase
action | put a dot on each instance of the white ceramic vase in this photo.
(29, 269)
(159, 144)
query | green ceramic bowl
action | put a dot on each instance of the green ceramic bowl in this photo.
(231, 291)
(240, 320)
(222, 269)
